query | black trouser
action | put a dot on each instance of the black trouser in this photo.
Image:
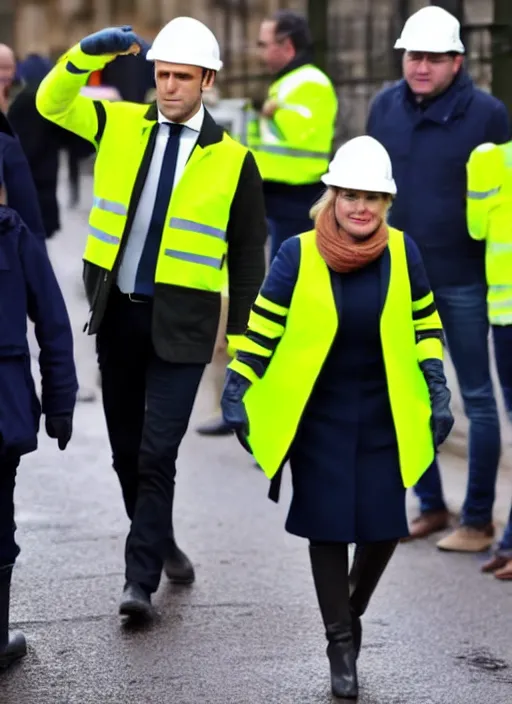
(147, 405)
(9, 551)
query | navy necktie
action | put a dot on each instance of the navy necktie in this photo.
(144, 281)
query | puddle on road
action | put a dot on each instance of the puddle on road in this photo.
(484, 661)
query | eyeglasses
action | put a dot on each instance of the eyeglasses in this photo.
(417, 57)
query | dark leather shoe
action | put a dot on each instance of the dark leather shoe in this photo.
(215, 427)
(177, 566)
(496, 562)
(15, 649)
(427, 523)
(136, 602)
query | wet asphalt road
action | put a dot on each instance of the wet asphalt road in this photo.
(248, 632)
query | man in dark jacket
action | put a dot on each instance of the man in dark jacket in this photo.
(28, 287)
(429, 123)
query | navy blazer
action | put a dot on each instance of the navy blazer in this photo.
(28, 287)
(282, 277)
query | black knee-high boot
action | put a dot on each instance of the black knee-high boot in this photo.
(370, 561)
(329, 563)
(12, 646)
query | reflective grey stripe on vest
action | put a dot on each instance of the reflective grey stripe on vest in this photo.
(194, 258)
(499, 288)
(508, 156)
(481, 195)
(297, 153)
(103, 236)
(502, 304)
(497, 247)
(191, 226)
(110, 206)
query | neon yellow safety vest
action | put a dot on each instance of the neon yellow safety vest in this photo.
(294, 147)
(193, 246)
(489, 216)
(275, 402)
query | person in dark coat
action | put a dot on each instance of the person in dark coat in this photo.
(28, 287)
(42, 142)
(17, 180)
(430, 122)
(341, 372)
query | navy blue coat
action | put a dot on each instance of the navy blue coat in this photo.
(16, 176)
(347, 484)
(429, 144)
(28, 287)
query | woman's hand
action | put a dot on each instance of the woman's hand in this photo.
(233, 409)
(442, 418)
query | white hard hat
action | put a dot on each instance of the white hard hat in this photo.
(185, 40)
(431, 29)
(361, 164)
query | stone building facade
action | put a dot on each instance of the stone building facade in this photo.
(361, 34)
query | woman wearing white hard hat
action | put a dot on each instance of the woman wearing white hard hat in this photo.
(341, 374)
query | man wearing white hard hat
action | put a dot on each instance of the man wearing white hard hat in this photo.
(341, 373)
(430, 122)
(178, 206)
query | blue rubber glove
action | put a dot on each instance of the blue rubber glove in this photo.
(442, 419)
(113, 40)
(233, 409)
(60, 428)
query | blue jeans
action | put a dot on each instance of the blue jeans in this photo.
(502, 335)
(9, 551)
(505, 544)
(463, 311)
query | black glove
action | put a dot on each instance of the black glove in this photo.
(61, 428)
(442, 419)
(113, 40)
(233, 409)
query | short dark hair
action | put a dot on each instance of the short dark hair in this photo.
(295, 27)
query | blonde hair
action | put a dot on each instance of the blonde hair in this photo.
(325, 201)
(328, 197)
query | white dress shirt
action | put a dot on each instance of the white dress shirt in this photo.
(137, 235)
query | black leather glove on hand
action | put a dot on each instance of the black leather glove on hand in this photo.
(60, 428)
(233, 409)
(442, 418)
(113, 40)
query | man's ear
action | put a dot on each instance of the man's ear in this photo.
(208, 79)
(459, 60)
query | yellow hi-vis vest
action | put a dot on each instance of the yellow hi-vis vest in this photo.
(294, 147)
(489, 216)
(276, 402)
(193, 245)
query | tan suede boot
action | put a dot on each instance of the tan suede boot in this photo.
(468, 539)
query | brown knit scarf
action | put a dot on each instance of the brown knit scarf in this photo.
(341, 252)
